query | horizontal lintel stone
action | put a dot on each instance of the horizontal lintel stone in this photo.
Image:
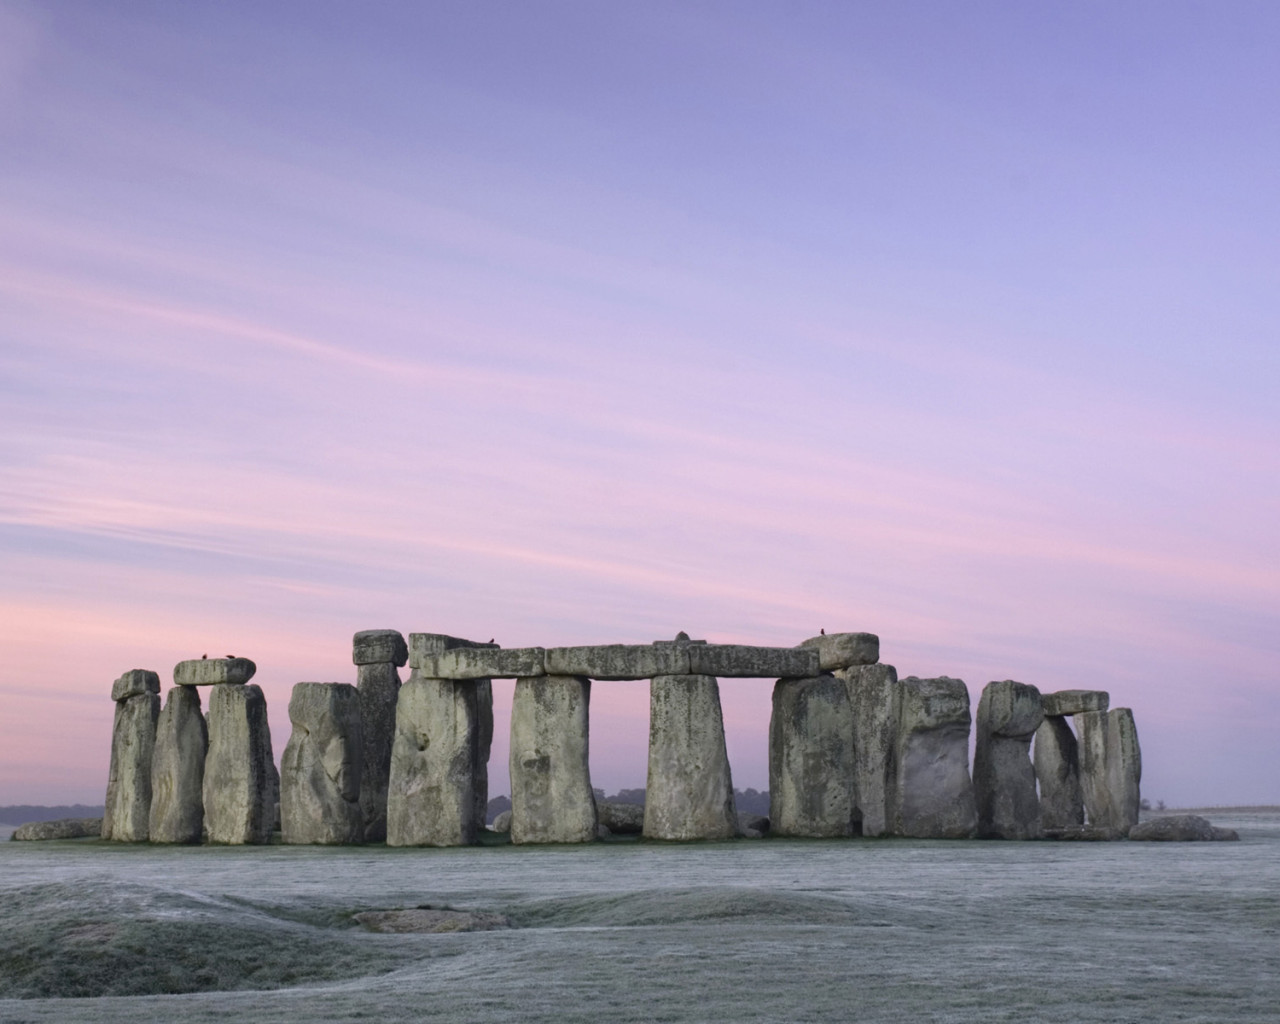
(753, 662)
(619, 661)
(1074, 702)
(213, 671)
(135, 683)
(844, 650)
(379, 646)
(424, 647)
(483, 663)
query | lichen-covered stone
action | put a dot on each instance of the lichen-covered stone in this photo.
(62, 828)
(379, 646)
(934, 795)
(126, 817)
(689, 793)
(241, 784)
(177, 769)
(875, 696)
(742, 661)
(1110, 768)
(551, 796)
(321, 765)
(1057, 765)
(811, 758)
(1074, 702)
(378, 684)
(214, 672)
(844, 650)
(1181, 828)
(137, 682)
(1004, 779)
(619, 818)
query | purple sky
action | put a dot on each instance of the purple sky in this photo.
(588, 323)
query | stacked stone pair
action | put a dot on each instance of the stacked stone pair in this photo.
(126, 816)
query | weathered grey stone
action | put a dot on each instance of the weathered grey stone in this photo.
(62, 828)
(619, 661)
(213, 671)
(621, 819)
(689, 793)
(1074, 702)
(177, 769)
(241, 784)
(844, 650)
(875, 696)
(811, 758)
(1057, 765)
(483, 663)
(423, 646)
(484, 744)
(379, 646)
(740, 661)
(1004, 779)
(321, 765)
(753, 826)
(135, 683)
(431, 795)
(502, 823)
(551, 796)
(126, 817)
(1181, 828)
(379, 686)
(934, 796)
(1110, 768)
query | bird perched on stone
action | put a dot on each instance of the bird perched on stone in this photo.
(204, 657)
(230, 655)
(822, 632)
(490, 639)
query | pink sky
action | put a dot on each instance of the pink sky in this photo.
(585, 324)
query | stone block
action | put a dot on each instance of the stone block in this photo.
(1057, 763)
(1074, 702)
(321, 765)
(1179, 828)
(62, 828)
(213, 671)
(432, 797)
(126, 817)
(551, 796)
(1004, 779)
(425, 646)
(378, 684)
(177, 769)
(241, 784)
(844, 650)
(135, 683)
(619, 661)
(484, 663)
(875, 697)
(737, 660)
(1110, 768)
(484, 744)
(811, 758)
(689, 792)
(619, 818)
(379, 646)
(934, 796)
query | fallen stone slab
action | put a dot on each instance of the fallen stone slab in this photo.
(483, 663)
(241, 785)
(844, 650)
(1074, 702)
(621, 819)
(551, 796)
(321, 765)
(126, 817)
(740, 661)
(753, 826)
(379, 646)
(619, 661)
(934, 795)
(1181, 828)
(1056, 758)
(177, 769)
(135, 683)
(62, 828)
(213, 671)
(1004, 779)
(502, 823)
(811, 790)
(875, 696)
(430, 921)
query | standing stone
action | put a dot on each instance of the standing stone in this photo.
(1057, 764)
(241, 784)
(934, 793)
(177, 769)
(320, 771)
(811, 758)
(377, 653)
(431, 793)
(551, 796)
(1110, 768)
(126, 816)
(1004, 780)
(689, 793)
(875, 696)
(484, 745)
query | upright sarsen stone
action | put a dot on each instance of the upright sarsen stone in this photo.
(321, 766)
(1057, 764)
(811, 758)
(934, 792)
(689, 793)
(1004, 780)
(126, 816)
(241, 784)
(875, 696)
(177, 769)
(1110, 768)
(551, 796)
(377, 653)
(432, 797)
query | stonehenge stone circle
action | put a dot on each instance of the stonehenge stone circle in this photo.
(126, 817)
(1110, 768)
(177, 769)
(214, 672)
(689, 792)
(320, 770)
(1057, 765)
(875, 696)
(1004, 780)
(811, 765)
(241, 785)
(551, 796)
(377, 654)
(934, 793)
